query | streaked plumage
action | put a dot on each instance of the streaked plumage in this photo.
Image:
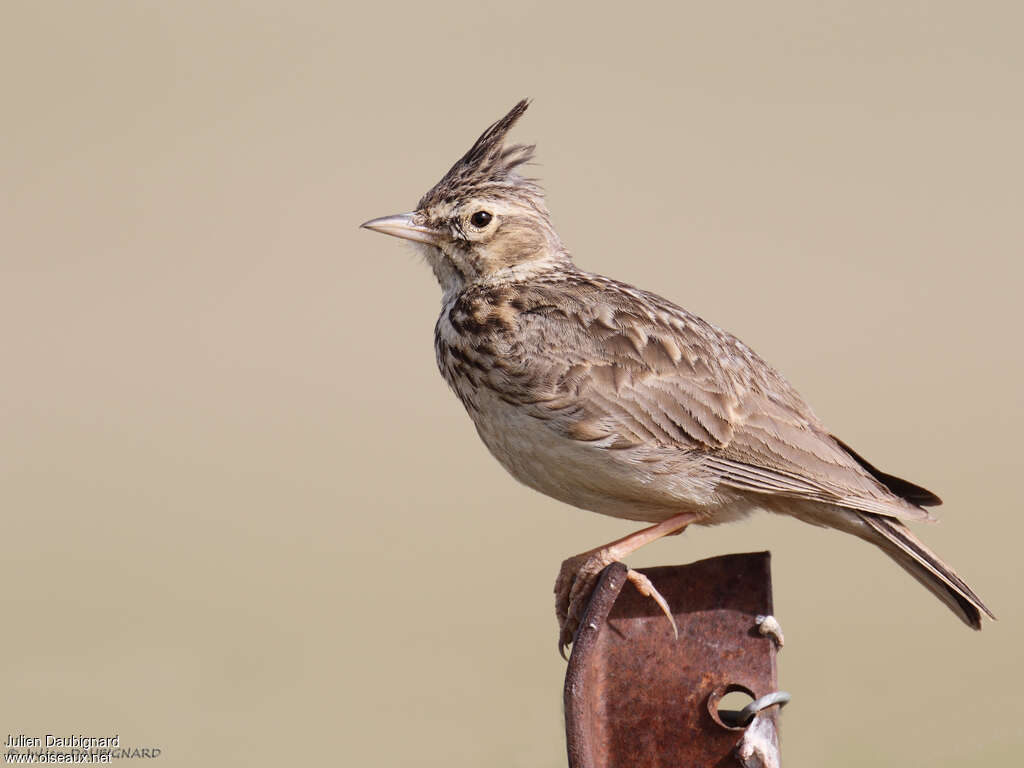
(618, 401)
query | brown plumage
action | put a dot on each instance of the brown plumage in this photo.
(618, 401)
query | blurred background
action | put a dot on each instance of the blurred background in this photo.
(244, 520)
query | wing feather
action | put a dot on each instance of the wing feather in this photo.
(665, 378)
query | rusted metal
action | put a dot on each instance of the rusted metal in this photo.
(635, 697)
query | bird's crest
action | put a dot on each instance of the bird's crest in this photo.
(488, 163)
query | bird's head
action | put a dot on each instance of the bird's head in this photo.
(482, 219)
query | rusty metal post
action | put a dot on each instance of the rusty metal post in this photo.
(635, 697)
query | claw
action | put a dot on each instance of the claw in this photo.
(646, 588)
(577, 579)
(578, 575)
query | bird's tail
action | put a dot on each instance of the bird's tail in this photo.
(896, 540)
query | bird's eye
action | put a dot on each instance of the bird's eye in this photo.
(480, 219)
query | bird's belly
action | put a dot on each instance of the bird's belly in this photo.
(619, 482)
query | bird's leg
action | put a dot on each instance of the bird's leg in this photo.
(578, 575)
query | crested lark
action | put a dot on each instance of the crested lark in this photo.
(618, 401)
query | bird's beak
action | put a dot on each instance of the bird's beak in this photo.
(402, 225)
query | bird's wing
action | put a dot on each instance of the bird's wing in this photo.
(632, 369)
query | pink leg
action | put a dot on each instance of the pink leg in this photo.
(578, 575)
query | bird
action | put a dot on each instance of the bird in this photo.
(618, 401)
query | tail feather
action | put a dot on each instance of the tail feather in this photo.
(905, 489)
(924, 565)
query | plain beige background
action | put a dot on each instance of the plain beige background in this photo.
(243, 519)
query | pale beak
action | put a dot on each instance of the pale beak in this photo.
(402, 225)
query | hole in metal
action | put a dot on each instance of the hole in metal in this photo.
(725, 705)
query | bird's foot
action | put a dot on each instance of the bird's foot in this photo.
(769, 626)
(576, 581)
